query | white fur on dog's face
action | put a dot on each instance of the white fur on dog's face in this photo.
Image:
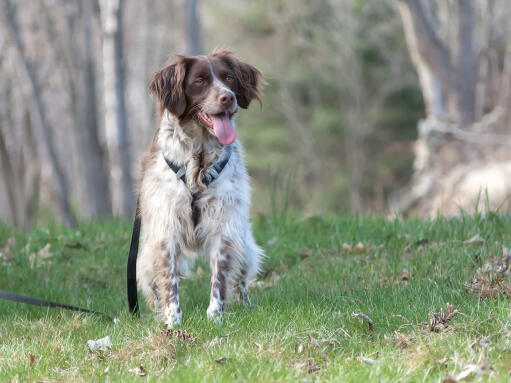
(223, 234)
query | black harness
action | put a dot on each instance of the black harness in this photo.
(213, 174)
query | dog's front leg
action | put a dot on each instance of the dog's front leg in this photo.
(220, 263)
(168, 283)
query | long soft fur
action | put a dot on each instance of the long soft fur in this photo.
(169, 238)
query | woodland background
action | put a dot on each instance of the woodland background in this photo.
(369, 105)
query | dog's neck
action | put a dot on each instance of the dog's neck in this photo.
(188, 144)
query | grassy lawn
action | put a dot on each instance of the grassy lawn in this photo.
(301, 326)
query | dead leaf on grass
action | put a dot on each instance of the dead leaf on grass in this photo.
(364, 317)
(99, 344)
(469, 371)
(180, 335)
(216, 340)
(6, 250)
(368, 360)
(45, 252)
(475, 240)
(346, 247)
(442, 318)
(275, 278)
(219, 339)
(450, 379)
(272, 241)
(313, 341)
(140, 370)
(405, 276)
(358, 248)
(482, 343)
(403, 341)
(493, 278)
(308, 365)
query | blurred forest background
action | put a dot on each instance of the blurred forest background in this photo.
(370, 105)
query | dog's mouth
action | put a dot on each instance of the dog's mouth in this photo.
(220, 125)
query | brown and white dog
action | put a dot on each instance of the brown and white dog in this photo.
(198, 97)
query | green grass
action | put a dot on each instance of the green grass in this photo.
(300, 328)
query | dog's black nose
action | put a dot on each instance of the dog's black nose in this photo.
(227, 99)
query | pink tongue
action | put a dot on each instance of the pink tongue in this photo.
(223, 128)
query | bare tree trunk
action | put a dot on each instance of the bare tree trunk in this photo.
(32, 170)
(115, 110)
(465, 61)
(43, 131)
(91, 181)
(484, 83)
(193, 28)
(96, 161)
(430, 86)
(10, 181)
(454, 70)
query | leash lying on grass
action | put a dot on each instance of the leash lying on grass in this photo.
(6, 295)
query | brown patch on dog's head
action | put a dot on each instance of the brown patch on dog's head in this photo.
(207, 90)
(248, 78)
(167, 86)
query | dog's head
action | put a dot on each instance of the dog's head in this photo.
(207, 90)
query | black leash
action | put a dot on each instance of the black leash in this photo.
(131, 272)
(6, 295)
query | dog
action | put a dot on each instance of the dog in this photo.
(194, 194)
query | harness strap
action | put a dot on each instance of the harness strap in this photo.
(180, 171)
(213, 173)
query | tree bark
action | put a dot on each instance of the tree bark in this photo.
(430, 86)
(32, 169)
(193, 28)
(91, 182)
(121, 185)
(43, 131)
(455, 70)
(465, 61)
(10, 181)
(95, 158)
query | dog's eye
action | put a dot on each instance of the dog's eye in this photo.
(229, 78)
(200, 81)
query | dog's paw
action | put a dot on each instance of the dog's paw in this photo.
(215, 311)
(173, 317)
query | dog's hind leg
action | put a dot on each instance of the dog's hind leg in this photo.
(167, 281)
(250, 266)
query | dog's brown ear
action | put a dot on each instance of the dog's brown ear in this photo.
(167, 86)
(248, 78)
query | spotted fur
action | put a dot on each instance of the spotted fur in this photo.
(169, 238)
